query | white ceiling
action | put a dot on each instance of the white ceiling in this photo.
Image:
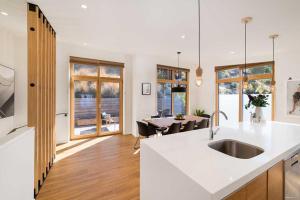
(155, 26)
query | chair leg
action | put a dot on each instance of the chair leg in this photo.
(135, 147)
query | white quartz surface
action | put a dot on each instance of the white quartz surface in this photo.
(220, 174)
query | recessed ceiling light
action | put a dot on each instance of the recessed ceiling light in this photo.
(232, 52)
(183, 37)
(84, 44)
(4, 13)
(84, 6)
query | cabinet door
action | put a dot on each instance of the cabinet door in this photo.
(275, 182)
(239, 195)
(257, 189)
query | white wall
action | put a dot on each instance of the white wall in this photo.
(64, 51)
(287, 64)
(144, 70)
(138, 69)
(13, 53)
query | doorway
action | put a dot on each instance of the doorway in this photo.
(96, 98)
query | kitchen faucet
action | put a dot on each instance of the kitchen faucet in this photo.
(211, 131)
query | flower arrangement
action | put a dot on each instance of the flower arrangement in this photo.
(260, 100)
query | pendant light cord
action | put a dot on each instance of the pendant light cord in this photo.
(245, 68)
(273, 49)
(199, 33)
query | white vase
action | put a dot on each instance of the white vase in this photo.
(259, 114)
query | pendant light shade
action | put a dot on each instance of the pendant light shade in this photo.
(273, 37)
(245, 21)
(199, 70)
(178, 88)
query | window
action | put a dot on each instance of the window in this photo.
(230, 96)
(169, 103)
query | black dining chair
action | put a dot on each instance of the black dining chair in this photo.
(189, 126)
(174, 128)
(204, 123)
(144, 130)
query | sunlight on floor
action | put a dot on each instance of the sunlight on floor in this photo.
(70, 148)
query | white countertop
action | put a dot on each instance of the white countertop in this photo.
(220, 174)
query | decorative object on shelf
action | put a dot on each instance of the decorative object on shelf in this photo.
(199, 70)
(199, 112)
(293, 97)
(178, 88)
(146, 88)
(258, 101)
(273, 37)
(245, 21)
(179, 117)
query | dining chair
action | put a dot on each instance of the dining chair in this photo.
(204, 123)
(189, 126)
(144, 130)
(174, 128)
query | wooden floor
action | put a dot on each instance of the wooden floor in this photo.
(94, 169)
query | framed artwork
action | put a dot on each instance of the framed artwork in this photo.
(7, 91)
(293, 97)
(146, 88)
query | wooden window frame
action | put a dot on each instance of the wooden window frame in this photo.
(98, 79)
(239, 80)
(173, 81)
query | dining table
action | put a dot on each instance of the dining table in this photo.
(166, 122)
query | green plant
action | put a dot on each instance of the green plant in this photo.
(260, 100)
(199, 112)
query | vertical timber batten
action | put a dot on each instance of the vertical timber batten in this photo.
(41, 90)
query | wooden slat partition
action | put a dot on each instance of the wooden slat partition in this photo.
(41, 90)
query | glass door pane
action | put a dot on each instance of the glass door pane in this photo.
(256, 87)
(229, 102)
(179, 101)
(110, 107)
(164, 99)
(85, 112)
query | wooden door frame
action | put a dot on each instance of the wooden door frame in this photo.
(240, 81)
(98, 80)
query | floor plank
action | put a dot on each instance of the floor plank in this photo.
(91, 169)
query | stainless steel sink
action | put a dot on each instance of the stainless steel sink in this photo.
(236, 149)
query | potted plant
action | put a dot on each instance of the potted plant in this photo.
(199, 112)
(258, 102)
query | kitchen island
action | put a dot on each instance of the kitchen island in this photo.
(183, 166)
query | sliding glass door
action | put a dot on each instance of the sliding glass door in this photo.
(96, 99)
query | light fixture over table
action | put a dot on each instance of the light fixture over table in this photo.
(178, 87)
(245, 21)
(199, 70)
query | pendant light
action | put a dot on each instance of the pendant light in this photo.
(178, 87)
(273, 37)
(199, 70)
(245, 21)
